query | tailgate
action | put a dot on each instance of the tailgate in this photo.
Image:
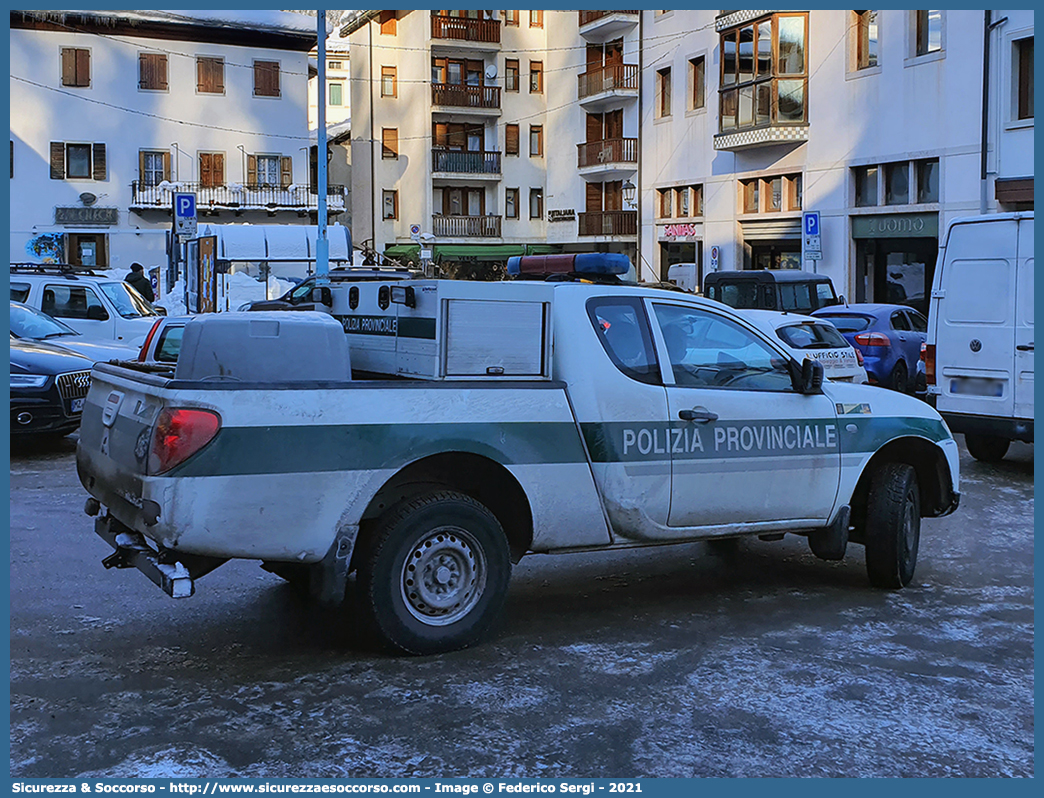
(115, 437)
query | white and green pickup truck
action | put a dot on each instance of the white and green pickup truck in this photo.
(480, 422)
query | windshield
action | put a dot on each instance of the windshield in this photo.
(29, 323)
(849, 323)
(812, 336)
(128, 302)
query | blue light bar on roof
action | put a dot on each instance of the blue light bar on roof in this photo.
(582, 263)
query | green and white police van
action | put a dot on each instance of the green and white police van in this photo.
(426, 434)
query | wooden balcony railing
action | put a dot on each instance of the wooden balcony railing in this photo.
(463, 29)
(234, 196)
(607, 78)
(460, 96)
(600, 153)
(587, 17)
(465, 162)
(466, 226)
(609, 223)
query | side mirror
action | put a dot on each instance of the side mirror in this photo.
(97, 313)
(841, 299)
(811, 376)
(321, 295)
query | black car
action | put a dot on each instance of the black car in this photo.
(791, 290)
(300, 296)
(48, 388)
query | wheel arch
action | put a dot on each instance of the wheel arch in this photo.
(929, 463)
(482, 478)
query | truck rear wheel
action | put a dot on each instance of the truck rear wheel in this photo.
(893, 526)
(987, 448)
(435, 574)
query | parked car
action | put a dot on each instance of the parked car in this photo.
(28, 324)
(888, 336)
(300, 296)
(48, 386)
(99, 307)
(793, 290)
(163, 343)
(818, 339)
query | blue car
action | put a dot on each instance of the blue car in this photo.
(888, 336)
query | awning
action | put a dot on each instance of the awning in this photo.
(543, 249)
(403, 252)
(478, 251)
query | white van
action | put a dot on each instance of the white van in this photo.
(979, 353)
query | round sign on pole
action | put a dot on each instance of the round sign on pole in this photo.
(414, 229)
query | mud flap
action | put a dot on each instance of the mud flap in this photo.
(831, 542)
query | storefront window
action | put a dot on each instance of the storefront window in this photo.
(865, 186)
(927, 180)
(897, 183)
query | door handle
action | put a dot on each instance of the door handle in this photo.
(1025, 347)
(699, 416)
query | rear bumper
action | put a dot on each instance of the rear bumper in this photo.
(1013, 429)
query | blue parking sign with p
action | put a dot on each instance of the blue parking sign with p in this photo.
(185, 206)
(811, 222)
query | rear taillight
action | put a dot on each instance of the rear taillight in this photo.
(872, 339)
(928, 355)
(859, 357)
(148, 340)
(180, 433)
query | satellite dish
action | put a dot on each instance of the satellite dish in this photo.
(491, 71)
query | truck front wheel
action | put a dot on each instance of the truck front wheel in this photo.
(435, 574)
(987, 448)
(893, 526)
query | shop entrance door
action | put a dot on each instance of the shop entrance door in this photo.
(776, 255)
(896, 271)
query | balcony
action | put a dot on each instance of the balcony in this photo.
(607, 83)
(470, 163)
(234, 197)
(466, 226)
(609, 223)
(461, 30)
(482, 99)
(602, 25)
(608, 157)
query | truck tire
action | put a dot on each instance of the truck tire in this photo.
(893, 526)
(435, 574)
(987, 448)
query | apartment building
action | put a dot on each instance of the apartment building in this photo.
(486, 134)
(875, 119)
(338, 119)
(113, 111)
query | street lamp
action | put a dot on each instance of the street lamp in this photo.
(628, 194)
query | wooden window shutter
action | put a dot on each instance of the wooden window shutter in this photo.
(594, 127)
(266, 78)
(217, 168)
(152, 71)
(614, 125)
(210, 75)
(286, 171)
(511, 139)
(205, 175)
(388, 23)
(441, 134)
(166, 166)
(99, 162)
(251, 170)
(389, 142)
(57, 160)
(68, 67)
(83, 68)
(593, 198)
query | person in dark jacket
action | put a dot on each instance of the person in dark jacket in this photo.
(139, 282)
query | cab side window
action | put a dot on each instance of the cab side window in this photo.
(899, 321)
(710, 351)
(19, 292)
(623, 330)
(72, 302)
(917, 322)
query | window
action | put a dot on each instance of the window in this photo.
(665, 205)
(795, 192)
(390, 205)
(266, 78)
(623, 329)
(683, 201)
(511, 18)
(267, 171)
(697, 82)
(927, 180)
(663, 92)
(461, 201)
(389, 82)
(511, 75)
(210, 75)
(390, 142)
(764, 73)
(928, 31)
(78, 161)
(153, 166)
(388, 23)
(333, 65)
(511, 203)
(152, 71)
(19, 292)
(897, 183)
(76, 67)
(751, 195)
(536, 19)
(865, 186)
(211, 169)
(865, 27)
(75, 302)
(769, 194)
(336, 92)
(511, 139)
(536, 141)
(536, 203)
(1024, 78)
(536, 77)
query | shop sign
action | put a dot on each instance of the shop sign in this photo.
(79, 215)
(679, 230)
(567, 215)
(904, 225)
